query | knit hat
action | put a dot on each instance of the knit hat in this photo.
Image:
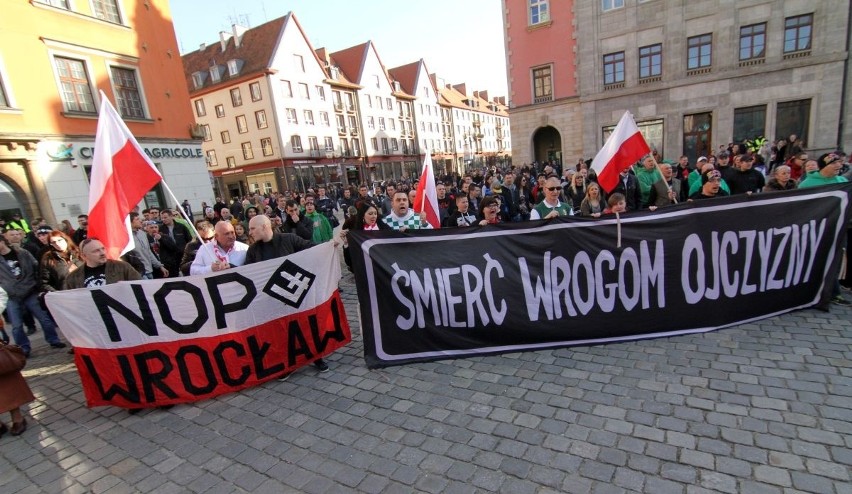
(827, 159)
(44, 230)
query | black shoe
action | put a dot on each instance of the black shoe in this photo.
(133, 411)
(3, 429)
(285, 377)
(31, 331)
(321, 365)
(839, 300)
(58, 345)
(18, 428)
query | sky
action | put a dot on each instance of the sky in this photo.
(460, 40)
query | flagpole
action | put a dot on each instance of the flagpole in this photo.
(172, 195)
(660, 170)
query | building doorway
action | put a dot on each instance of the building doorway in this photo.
(547, 146)
(9, 203)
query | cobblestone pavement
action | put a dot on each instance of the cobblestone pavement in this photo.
(758, 408)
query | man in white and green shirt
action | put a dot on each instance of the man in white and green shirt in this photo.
(402, 218)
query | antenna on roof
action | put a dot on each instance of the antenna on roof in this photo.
(240, 20)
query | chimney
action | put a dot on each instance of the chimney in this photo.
(238, 33)
(476, 94)
(462, 88)
(224, 36)
(202, 47)
(483, 95)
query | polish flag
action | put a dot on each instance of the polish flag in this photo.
(121, 176)
(623, 148)
(426, 198)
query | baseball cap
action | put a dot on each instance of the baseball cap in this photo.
(709, 175)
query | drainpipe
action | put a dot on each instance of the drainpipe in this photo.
(844, 86)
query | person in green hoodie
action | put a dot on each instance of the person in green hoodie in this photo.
(647, 174)
(322, 232)
(828, 173)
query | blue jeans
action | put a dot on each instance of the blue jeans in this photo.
(15, 311)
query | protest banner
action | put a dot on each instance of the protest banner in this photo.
(161, 342)
(690, 268)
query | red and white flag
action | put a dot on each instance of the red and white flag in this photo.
(426, 198)
(121, 176)
(622, 149)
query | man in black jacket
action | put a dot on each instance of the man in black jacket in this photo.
(628, 185)
(295, 222)
(270, 245)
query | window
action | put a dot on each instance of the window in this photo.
(296, 143)
(369, 100)
(309, 117)
(127, 93)
(371, 123)
(344, 147)
(324, 119)
(797, 33)
(74, 81)
(793, 117)
(356, 147)
(320, 93)
(329, 144)
(389, 104)
(381, 123)
(374, 143)
(207, 135)
(699, 50)
(106, 10)
(341, 123)
(232, 162)
(394, 144)
(242, 126)
(611, 4)
(613, 65)
(260, 118)
(379, 102)
(353, 123)
(220, 111)
(313, 143)
(385, 149)
(4, 101)
(291, 116)
(376, 81)
(752, 41)
(247, 151)
(697, 135)
(749, 122)
(215, 75)
(236, 97)
(539, 11)
(211, 158)
(199, 108)
(266, 146)
(286, 89)
(226, 137)
(650, 61)
(335, 98)
(254, 89)
(299, 62)
(62, 4)
(233, 68)
(198, 79)
(350, 102)
(303, 91)
(392, 123)
(542, 85)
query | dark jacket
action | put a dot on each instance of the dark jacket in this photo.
(189, 255)
(20, 288)
(115, 271)
(630, 190)
(304, 228)
(281, 244)
(55, 267)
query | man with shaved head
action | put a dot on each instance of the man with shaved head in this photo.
(270, 245)
(220, 254)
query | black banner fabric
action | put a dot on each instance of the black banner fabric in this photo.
(691, 268)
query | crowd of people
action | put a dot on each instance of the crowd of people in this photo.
(38, 259)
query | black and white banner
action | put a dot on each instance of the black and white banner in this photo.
(692, 268)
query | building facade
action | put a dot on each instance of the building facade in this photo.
(696, 75)
(57, 61)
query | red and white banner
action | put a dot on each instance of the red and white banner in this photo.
(159, 342)
(426, 198)
(622, 149)
(121, 176)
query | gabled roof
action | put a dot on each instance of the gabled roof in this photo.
(257, 45)
(335, 77)
(406, 75)
(351, 61)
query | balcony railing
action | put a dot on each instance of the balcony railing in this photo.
(543, 99)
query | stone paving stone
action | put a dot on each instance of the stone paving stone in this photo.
(758, 408)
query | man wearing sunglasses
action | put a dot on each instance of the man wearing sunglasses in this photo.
(206, 233)
(551, 206)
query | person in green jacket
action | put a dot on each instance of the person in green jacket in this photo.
(829, 168)
(646, 174)
(695, 181)
(322, 232)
